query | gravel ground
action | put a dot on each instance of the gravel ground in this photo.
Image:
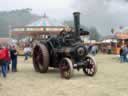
(110, 80)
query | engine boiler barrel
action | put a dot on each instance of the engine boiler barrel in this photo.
(77, 25)
(65, 51)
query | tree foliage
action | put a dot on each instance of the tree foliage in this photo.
(15, 18)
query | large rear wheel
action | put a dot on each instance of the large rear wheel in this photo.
(34, 56)
(40, 58)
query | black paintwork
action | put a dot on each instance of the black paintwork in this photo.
(66, 44)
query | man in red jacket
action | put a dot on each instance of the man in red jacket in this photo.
(3, 62)
(7, 56)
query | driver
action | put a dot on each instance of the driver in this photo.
(62, 33)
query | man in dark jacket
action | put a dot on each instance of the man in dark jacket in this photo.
(14, 58)
(121, 55)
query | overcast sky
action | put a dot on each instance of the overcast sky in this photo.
(51, 7)
(104, 14)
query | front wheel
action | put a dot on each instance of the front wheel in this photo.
(90, 67)
(66, 68)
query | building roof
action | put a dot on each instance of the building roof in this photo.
(112, 36)
(122, 36)
(45, 25)
(121, 30)
(117, 36)
(124, 30)
(46, 21)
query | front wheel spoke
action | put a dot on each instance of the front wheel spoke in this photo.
(66, 73)
(88, 71)
(91, 61)
(92, 70)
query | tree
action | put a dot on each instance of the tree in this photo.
(15, 18)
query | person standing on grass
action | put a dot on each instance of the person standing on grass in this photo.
(93, 50)
(121, 55)
(27, 52)
(3, 62)
(125, 51)
(7, 57)
(14, 58)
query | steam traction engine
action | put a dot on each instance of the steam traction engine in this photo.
(64, 51)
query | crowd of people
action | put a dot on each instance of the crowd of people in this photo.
(8, 56)
(92, 49)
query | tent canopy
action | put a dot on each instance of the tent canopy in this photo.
(122, 36)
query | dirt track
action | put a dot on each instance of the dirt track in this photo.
(110, 80)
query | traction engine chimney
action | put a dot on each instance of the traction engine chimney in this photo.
(77, 25)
